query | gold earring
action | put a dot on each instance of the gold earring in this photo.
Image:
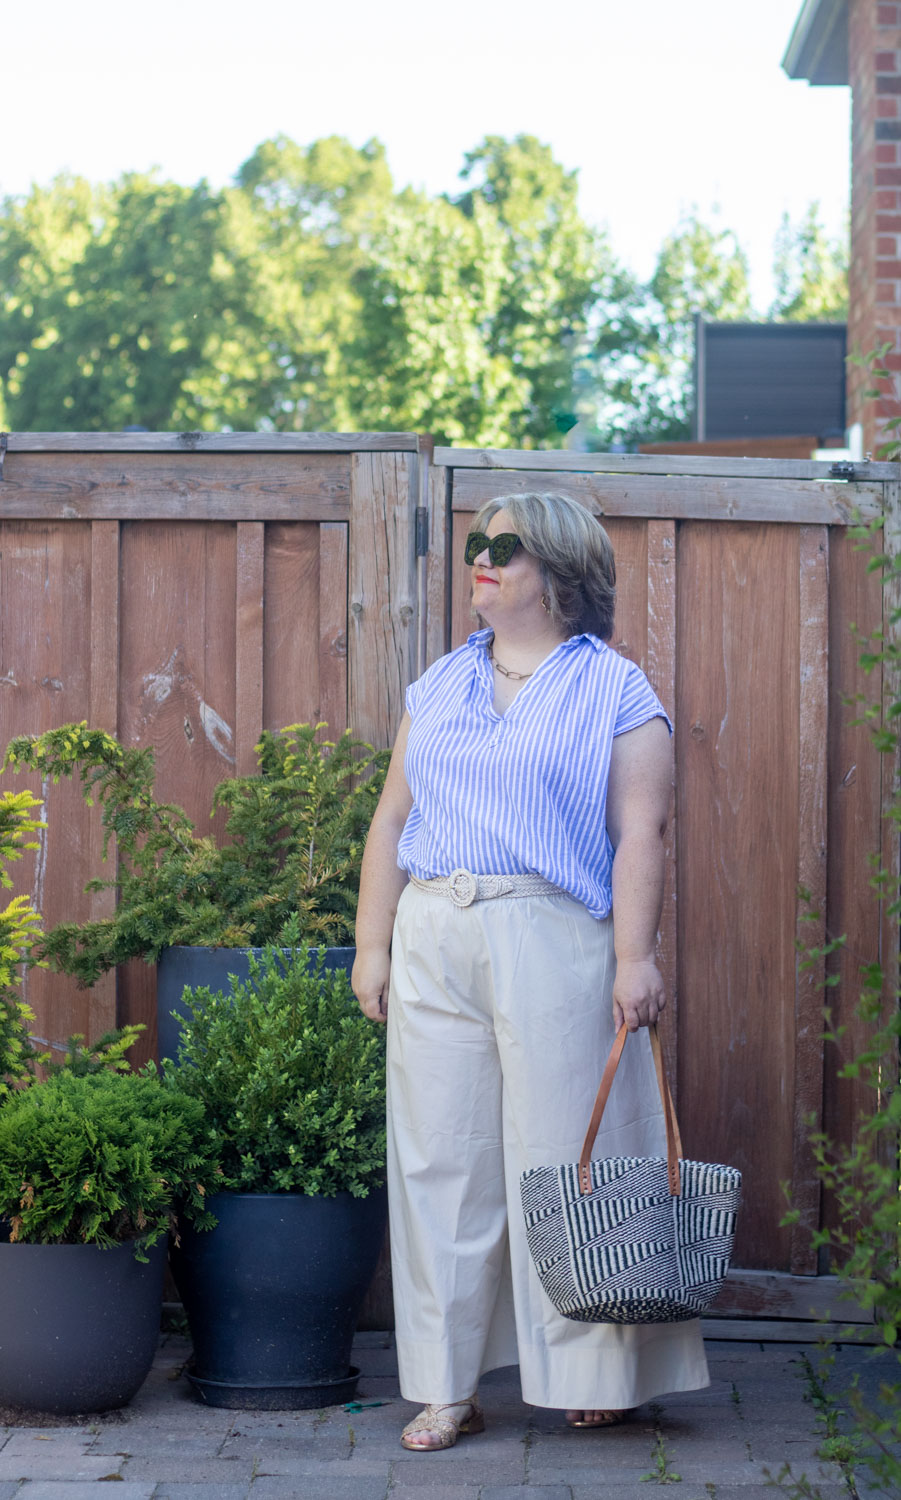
(545, 605)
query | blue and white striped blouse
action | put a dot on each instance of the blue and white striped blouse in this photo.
(526, 792)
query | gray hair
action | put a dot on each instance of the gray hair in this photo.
(573, 549)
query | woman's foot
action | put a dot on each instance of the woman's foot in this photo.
(608, 1417)
(439, 1426)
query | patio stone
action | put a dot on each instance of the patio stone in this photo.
(321, 1489)
(62, 1445)
(527, 1492)
(169, 1468)
(44, 1465)
(202, 1492)
(52, 1489)
(413, 1470)
(435, 1489)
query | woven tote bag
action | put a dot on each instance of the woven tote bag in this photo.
(631, 1239)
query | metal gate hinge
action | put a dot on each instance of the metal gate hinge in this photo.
(422, 530)
(843, 470)
(4, 440)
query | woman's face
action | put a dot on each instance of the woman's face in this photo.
(510, 592)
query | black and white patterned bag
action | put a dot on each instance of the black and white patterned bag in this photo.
(631, 1239)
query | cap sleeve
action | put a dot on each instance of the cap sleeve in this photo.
(638, 703)
(411, 697)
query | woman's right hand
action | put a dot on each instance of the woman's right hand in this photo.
(369, 981)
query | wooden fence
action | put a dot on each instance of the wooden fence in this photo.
(187, 590)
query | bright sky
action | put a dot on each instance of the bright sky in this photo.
(662, 107)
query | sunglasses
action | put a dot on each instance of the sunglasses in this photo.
(500, 548)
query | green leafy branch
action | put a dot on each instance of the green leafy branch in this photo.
(294, 839)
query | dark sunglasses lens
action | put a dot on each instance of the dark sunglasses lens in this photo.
(502, 549)
(476, 543)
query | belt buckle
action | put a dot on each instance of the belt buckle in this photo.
(462, 887)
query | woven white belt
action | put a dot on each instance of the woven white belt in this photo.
(464, 888)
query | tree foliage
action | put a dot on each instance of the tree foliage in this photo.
(311, 294)
(643, 378)
(810, 271)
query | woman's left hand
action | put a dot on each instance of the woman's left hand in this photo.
(638, 994)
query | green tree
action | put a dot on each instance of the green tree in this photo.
(644, 378)
(810, 271)
(421, 356)
(554, 268)
(309, 294)
(116, 301)
(304, 219)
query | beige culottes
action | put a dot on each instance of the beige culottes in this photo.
(499, 1024)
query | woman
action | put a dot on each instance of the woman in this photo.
(538, 760)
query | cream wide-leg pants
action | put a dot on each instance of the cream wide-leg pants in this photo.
(499, 1024)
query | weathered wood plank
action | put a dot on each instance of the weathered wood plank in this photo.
(812, 875)
(382, 593)
(248, 643)
(178, 592)
(661, 670)
(176, 486)
(212, 442)
(423, 488)
(463, 621)
(104, 664)
(46, 628)
(629, 539)
(774, 1294)
(680, 496)
(737, 710)
(103, 714)
(890, 850)
(291, 655)
(333, 627)
(559, 461)
(439, 563)
(783, 1331)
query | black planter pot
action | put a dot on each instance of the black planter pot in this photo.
(273, 1294)
(79, 1326)
(211, 967)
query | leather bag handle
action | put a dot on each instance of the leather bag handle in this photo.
(673, 1138)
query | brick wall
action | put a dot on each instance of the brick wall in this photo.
(874, 48)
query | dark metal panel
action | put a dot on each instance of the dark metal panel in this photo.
(771, 379)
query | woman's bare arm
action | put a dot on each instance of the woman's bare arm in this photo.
(381, 883)
(638, 796)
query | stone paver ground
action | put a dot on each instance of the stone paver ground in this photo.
(722, 1443)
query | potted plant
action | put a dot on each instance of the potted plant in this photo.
(291, 1079)
(294, 844)
(93, 1162)
(92, 1167)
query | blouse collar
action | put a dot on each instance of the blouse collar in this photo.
(482, 637)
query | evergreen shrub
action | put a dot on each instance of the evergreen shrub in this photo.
(102, 1158)
(290, 1074)
(294, 843)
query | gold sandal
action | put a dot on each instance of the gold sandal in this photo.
(607, 1417)
(447, 1428)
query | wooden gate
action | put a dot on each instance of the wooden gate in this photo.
(186, 591)
(737, 589)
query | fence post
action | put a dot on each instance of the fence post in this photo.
(382, 615)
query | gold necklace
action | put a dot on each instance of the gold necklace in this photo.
(505, 671)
